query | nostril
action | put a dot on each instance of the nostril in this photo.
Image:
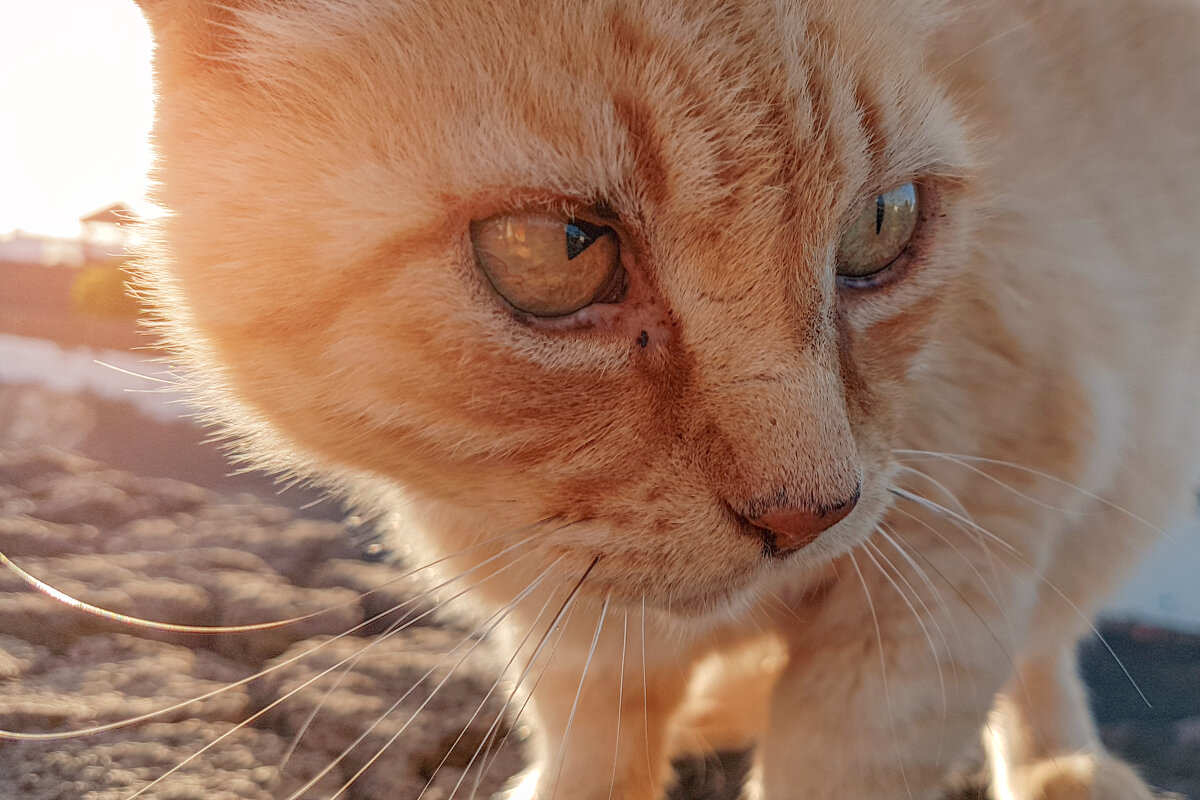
(794, 526)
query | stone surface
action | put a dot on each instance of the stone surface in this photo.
(167, 551)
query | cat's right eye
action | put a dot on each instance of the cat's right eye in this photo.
(548, 265)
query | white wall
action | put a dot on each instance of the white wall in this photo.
(1165, 588)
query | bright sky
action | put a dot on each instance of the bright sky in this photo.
(75, 111)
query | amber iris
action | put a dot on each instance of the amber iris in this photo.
(547, 265)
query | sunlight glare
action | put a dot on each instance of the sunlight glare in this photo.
(77, 106)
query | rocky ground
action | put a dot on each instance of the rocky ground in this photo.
(168, 550)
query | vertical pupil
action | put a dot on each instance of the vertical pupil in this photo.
(879, 208)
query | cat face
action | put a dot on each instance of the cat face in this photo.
(365, 202)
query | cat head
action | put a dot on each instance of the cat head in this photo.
(660, 273)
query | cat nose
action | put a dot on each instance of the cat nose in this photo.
(787, 529)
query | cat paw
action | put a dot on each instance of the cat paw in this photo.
(523, 786)
(1080, 776)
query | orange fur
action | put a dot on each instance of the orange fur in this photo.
(322, 159)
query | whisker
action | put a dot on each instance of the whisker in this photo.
(646, 695)
(478, 636)
(987, 554)
(940, 509)
(891, 536)
(6, 735)
(987, 587)
(138, 622)
(1036, 573)
(993, 39)
(612, 783)
(487, 737)
(562, 616)
(348, 670)
(962, 459)
(396, 628)
(871, 551)
(562, 748)
(174, 384)
(962, 509)
(887, 695)
(871, 546)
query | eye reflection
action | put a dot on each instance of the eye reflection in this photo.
(879, 234)
(547, 265)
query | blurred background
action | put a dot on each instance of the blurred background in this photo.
(76, 373)
(75, 370)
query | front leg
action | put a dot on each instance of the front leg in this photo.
(893, 678)
(1042, 743)
(1041, 738)
(601, 719)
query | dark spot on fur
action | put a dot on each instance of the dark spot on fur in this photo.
(643, 339)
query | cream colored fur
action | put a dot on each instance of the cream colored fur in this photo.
(322, 159)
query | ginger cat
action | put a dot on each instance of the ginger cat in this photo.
(856, 340)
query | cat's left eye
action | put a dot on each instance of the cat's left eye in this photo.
(548, 265)
(879, 236)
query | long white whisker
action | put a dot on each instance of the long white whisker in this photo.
(871, 551)
(563, 617)
(171, 627)
(992, 40)
(962, 459)
(562, 749)
(397, 627)
(394, 627)
(1035, 572)
(612, 783)
(478, 635)
(887, 695)
(172, 384)
(646, 695)
(487, 737)
(890, 536)
(962, 509)
(6, 735)
(940, 509)
(968, 525)
(991, 478)
(924, 629)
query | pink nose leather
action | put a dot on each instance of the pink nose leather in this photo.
(796, 527)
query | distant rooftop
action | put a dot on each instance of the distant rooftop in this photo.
(113, 213)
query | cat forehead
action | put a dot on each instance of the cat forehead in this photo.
(595, 96)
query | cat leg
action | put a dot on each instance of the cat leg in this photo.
(602, 710)
(728, 697)
(1042, 744)
(890, 679)
(1041, 739)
